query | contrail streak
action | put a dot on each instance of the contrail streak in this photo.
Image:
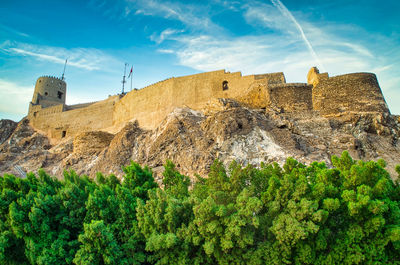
(282, 8)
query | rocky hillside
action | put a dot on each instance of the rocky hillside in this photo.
(224, 130)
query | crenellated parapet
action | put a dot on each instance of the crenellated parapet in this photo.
(51, 77)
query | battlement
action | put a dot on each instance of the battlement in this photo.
(51, 77)
(358, 92)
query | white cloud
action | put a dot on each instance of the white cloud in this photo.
(190, 15)
(14, 31)
(207, 53)
(278, 18)
(267, 16)
(83, 58)
(164, 35)
(166, 51)
(14, 98)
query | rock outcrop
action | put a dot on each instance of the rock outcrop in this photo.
(7, 128)
(192, 139)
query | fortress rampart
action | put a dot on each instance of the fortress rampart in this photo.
(149, 106)
(57, 123)
(358, 92)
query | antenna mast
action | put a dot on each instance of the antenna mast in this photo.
(62, 77)
(123, 79)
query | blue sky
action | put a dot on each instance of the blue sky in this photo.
(162, 39)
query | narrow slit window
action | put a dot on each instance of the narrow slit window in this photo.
(63, 134)
(59, 94)
(225, 85)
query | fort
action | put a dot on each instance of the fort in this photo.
(331, 96)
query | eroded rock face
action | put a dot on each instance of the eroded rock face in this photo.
(7, 128)
(24, 149)
(193, 140)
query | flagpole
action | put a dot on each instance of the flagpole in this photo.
(131, 80)
(123, 79)
(62, 77)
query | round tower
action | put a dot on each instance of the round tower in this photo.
(49, 91)
(357, 92)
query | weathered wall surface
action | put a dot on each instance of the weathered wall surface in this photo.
(290, 96)
(58, 124)
(272, 78)
(152, 104)
(359, 92)
(78, 106)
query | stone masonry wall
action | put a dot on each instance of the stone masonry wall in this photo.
(290, 96)
(272, 78)
(58, 124)
(46, 91)
(359, 92)
(149, 106)
(152, 104)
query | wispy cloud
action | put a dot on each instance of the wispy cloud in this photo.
(166, 51)
(280, 20)
(83, 58)
(267, 16)
(159, 38)
(13, 31)
(207, 53)
(286, 13)
(189, 15)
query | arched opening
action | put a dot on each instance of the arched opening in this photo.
(46, 94)
(225, 85)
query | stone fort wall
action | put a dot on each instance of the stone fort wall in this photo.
(57, 123)
(290, 97)
(358, 92)
(150, 105)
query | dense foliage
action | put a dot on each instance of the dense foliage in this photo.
(295, 214)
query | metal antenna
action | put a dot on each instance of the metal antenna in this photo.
(123, 79)
(65, 65)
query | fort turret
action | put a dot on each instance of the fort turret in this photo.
(49, 91)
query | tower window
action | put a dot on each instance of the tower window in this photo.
(63, 134)
(59, 94)
(225, 85)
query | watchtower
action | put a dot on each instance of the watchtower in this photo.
(49, 91)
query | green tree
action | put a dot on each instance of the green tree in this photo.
(346, 214)
(98, 246)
